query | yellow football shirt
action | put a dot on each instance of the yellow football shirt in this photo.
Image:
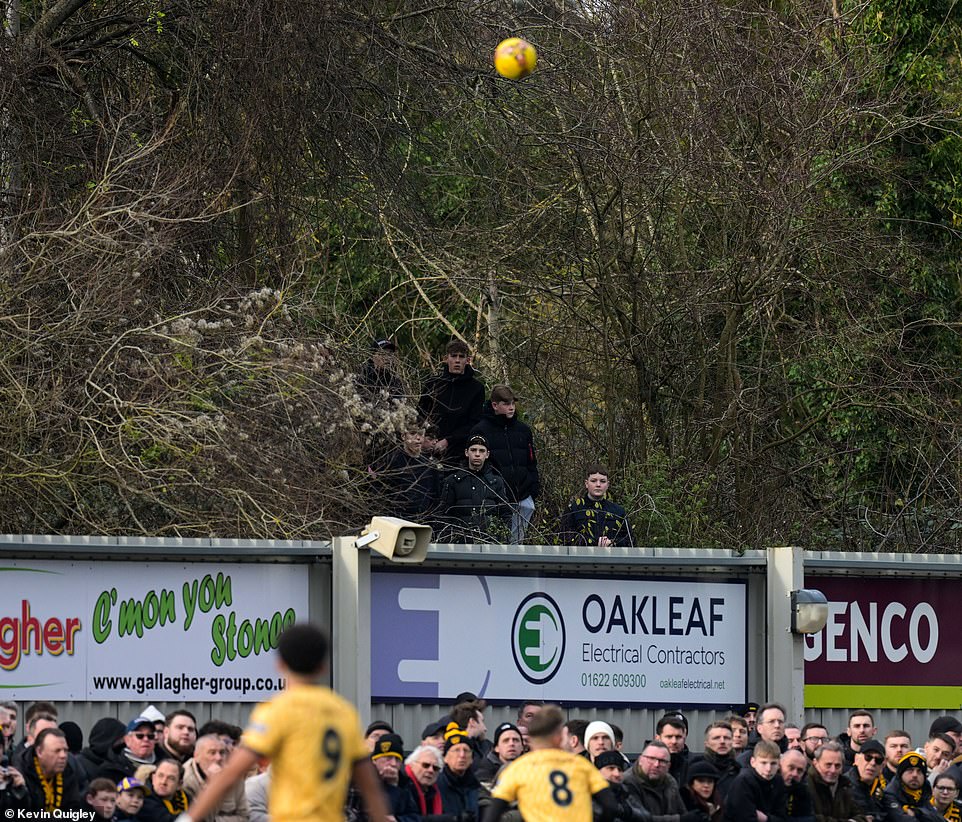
(313, 738)
(550, 785)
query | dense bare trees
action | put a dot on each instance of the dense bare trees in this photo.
(680, 238)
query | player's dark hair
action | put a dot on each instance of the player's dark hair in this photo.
(619, 734)
(861, 712)
(303, 648)
(458, 347)
(548, 721)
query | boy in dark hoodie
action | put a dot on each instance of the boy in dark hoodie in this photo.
(757, 794)
(105, 733)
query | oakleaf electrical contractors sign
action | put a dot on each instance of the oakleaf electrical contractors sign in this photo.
(157, 631)
(619, 641)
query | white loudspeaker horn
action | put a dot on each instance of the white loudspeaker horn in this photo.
(397, 539)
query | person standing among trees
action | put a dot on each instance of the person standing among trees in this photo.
(512, 452)
(474, 499)
(593, 519)
(453, 400)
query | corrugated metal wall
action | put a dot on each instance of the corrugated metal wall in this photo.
(638, 724)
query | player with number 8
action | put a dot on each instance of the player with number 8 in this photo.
(549, 784)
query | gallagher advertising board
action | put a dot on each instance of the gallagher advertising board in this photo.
(888, 643)
(616, 641)
(139, 630)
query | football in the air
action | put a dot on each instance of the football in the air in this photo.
(515, 58)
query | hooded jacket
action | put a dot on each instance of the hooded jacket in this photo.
(104, 735)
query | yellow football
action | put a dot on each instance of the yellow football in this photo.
(515, 58)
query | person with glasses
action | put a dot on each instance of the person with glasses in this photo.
(831, 795)
(813, 736)
(650, 782)
(139, 748)
(945, 797)
(867, 788)
(423, 766)
(770, 727)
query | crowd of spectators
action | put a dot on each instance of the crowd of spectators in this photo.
(752, 767)
(467, 465)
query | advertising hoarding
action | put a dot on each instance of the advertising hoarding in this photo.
(616, 641)
(140, 630)
(888, 643)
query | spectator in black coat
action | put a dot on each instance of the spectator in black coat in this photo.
(51, 779)
(908, 797)
(798, 799)
(474, 499)
(407, 479)
(718, 752)
(512, 453)
(758, 793)
(104, 735)
(453, 400)
(867, 788)
(387, 758)
(700, 791)
(611, 766)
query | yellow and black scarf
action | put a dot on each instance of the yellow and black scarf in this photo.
(177, 803)
(952, 813)
(52, 792)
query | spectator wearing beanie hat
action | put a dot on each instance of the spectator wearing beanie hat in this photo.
(457, 783)
(375, 731)
(388, 757)
(700, 791)
(599, 737)
(908, 797)
(611, 764)
(508, 746)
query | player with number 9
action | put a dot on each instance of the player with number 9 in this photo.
(312, 737)
(549, 784)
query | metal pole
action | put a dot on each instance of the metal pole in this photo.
(785, 658)
(351, 624)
